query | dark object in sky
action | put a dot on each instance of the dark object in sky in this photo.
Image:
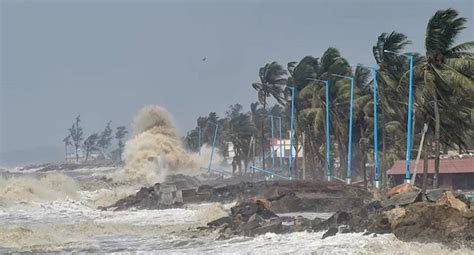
(204, 59)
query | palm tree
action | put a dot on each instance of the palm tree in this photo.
(272, 79)
(310, 104)
(447, 71)
(239, 130)
(392, 69)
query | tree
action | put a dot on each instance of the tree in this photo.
(67, 143)
(447, 74)
(239, 130)
(90, 145)
(76, 134)
(120, 133)
(392, 69)
(105, 138)
(272, 80)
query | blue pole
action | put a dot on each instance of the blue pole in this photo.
(281, 149)
(273, 144)
(292, 123)
(213, 145)
(328, 143)
(376, 139)
(409, 127)
(349, 145)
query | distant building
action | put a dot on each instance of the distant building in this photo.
(454, 173)
(285, 145)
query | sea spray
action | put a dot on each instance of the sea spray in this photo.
(29, 189)
(154, 149)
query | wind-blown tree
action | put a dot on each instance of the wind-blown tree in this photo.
(105, 139)
(239, 130)
(448, 77)
(363, 118)
(299, 73)
(90, 145)
(311, 103)
(272, 79)
(76, 134)
(67, 143)
(120, 134)
(392, 95)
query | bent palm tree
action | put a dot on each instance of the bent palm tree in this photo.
(447, 72)
(272, 79)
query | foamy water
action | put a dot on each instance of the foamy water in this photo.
(57, 211)
(71, 226)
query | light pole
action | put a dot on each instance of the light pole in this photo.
(410, 105)
(292, 124)
(328, 142)
(373, 71)
(213, 144)
(279, 139)
(349, 144)
(273, 145)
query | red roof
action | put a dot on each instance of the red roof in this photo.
(446, 166)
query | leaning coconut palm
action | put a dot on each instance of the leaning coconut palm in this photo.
(392, 69)
(300, 72)
(272, 79)
(239, 131)
(311, 102)
(447, 71)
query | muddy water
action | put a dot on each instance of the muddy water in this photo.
(50, 221)
(71, 226)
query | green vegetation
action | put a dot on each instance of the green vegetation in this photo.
(443, 100)
(98, 143)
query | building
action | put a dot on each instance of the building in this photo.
(454, 173)
(285, 146)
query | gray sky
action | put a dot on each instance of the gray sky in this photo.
(106, 59)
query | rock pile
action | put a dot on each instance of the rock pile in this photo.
(436, 216)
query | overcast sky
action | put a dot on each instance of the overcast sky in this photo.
(107, 59)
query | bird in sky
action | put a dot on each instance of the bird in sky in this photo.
(204, 59)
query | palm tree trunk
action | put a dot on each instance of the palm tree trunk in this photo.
(384, 137)
(263, 134)
(437, 135)
(425, 165)
(342, 159)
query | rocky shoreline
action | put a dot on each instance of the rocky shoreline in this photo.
(439, 216)
(448, 220)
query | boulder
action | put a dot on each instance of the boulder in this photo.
(250, 208)
(395, 215)
(332, 231)
(430, 222)
(247, 228)
(274, 226)
(399, 189)
(448, 199)
(433, 195)
(220, 221)
(337, 219)
(402, 199)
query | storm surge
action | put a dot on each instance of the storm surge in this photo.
(154, 150)
(26, 189)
